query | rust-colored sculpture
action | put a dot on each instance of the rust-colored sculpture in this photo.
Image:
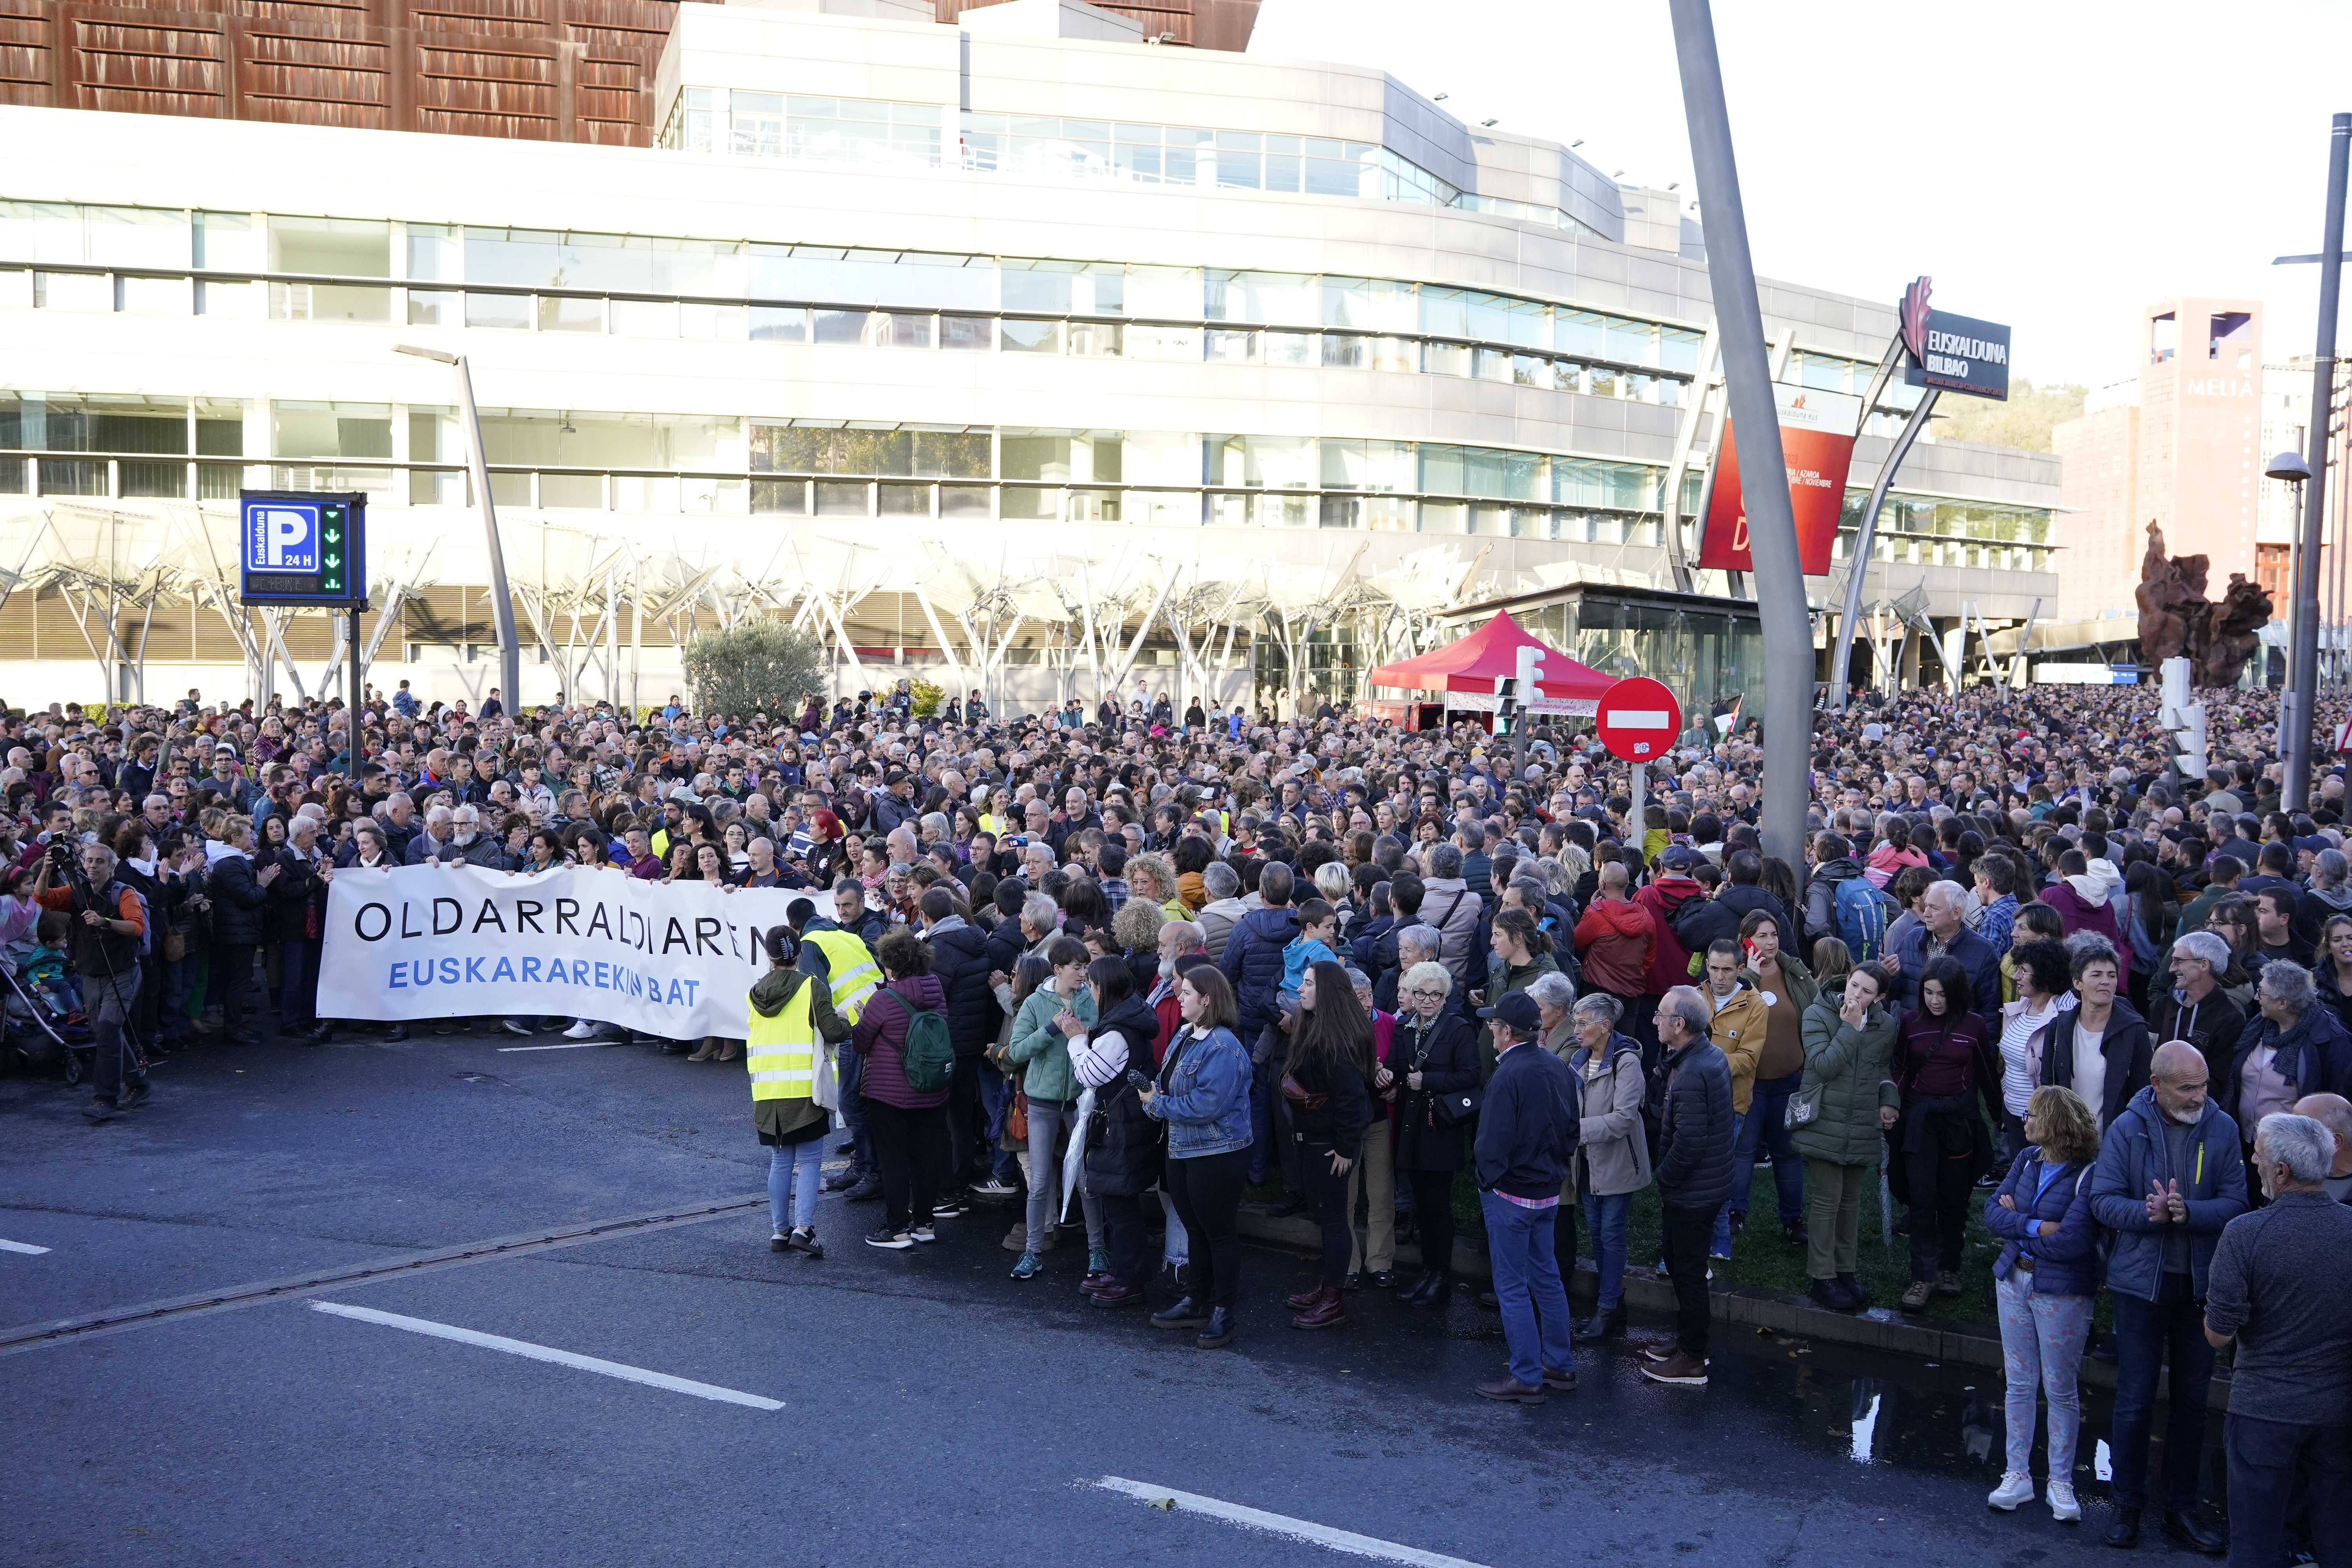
(2176, 619)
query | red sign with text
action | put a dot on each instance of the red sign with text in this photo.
(1817, 431)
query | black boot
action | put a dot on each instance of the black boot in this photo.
(1185, 1314)
(2183, 1528)
(1433, 1296)
(1601, 1326)
(2125, 1531)
(1219, 1333)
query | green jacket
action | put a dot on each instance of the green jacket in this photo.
(1042, 1050)
(1802, 987)
(1849, 1067)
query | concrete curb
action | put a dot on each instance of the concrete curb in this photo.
(1881, 1328)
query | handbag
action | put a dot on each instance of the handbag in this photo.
(824, 1076)
(175, 945)
(1804, 1108)
(1017, 1120)
(1456, 1108)
(1295, 1092)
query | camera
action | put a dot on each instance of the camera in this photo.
(61, 856)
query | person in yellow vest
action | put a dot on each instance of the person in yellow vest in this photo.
(790, 1053)
(843, 961)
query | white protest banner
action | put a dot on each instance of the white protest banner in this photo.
(453, 941)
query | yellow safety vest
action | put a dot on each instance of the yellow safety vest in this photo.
(781, 1051)
(851, 969)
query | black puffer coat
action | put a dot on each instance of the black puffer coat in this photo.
(238, 902)
(959, 961)
(1695, 1143)
(1123, 1144)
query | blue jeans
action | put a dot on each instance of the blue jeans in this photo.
(794, 1172)
(1262, 1151)
(1527, 1284)
(2266, 1460)
(2145, 1331)
(996, 1106)
(1606, 1218)
(1766, 1125)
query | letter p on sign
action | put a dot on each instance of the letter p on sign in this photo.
(289, 540)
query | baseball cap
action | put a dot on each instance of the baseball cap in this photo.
(1517, 1010)
(1679, 857)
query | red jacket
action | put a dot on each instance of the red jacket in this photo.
(1670, 961)
(1618, 941)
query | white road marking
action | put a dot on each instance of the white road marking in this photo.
(566, 1046)
(547, 1353)
(24, 1246)
(1315, 1534)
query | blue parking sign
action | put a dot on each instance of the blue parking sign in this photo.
(281, 536)
(302, 548)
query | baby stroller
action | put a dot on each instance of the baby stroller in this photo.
(40, 1032)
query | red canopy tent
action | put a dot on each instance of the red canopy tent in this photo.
(1466, 670)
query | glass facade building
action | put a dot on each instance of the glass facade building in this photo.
(962, 291)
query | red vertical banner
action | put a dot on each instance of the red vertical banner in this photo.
(1817, 432)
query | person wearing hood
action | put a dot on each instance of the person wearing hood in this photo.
(1741, 1021)
(2292, 1047)
(2170, 1173)
(1113, 1057)
(1617, 939)
(1849, 1043)
(2082, 899)
(1669, 892)
(789, 1054)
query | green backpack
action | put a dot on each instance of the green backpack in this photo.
(928, 1054)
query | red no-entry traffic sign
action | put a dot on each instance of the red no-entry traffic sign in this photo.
(1639, 718)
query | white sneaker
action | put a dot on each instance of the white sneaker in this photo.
(2062, 1506)
(582, 1030)
(2016, 1487)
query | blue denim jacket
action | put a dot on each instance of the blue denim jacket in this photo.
(1204, 1094)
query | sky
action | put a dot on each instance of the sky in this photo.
(2055, 165)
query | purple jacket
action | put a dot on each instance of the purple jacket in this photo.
(2065, 1264)
(2077, 914)
(880, 1035)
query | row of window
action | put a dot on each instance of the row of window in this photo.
(867, 134)
(33, 233)
(705, 494)
(376, 441)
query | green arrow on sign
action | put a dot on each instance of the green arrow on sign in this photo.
(334, 561)
(334, 535)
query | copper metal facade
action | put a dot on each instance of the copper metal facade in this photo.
(552, 70)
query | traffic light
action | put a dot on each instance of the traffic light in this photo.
(1507, 704)
(1530, 673)
(2183, 718)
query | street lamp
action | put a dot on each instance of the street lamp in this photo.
(478, 468)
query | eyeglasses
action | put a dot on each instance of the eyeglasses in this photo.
(1425, 991)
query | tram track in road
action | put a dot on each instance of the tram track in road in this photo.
(62, 1331)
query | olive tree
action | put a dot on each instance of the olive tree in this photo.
(753, 666)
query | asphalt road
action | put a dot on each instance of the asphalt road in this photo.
(932, 1410)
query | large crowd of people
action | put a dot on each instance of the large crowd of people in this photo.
(1117, 970)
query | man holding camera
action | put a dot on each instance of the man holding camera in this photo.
(108, 925)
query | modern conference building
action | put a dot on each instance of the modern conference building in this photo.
(1001, 335)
